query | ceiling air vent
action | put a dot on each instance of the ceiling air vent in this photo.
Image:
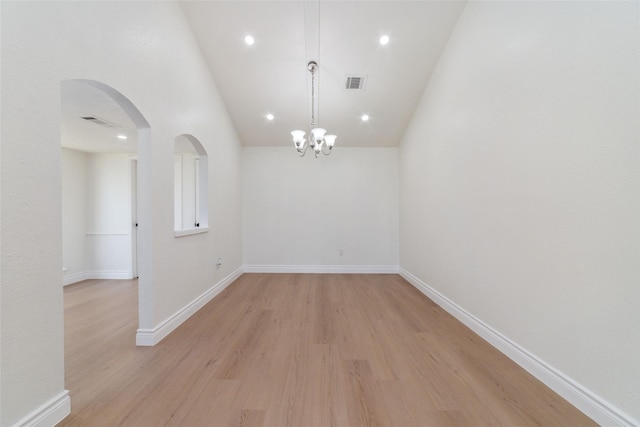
(355, 82)
(100, 122)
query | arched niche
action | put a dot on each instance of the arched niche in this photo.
(191, 185)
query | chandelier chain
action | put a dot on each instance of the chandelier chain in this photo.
(318, 141)
(313, 104)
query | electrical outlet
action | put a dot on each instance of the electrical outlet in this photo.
(219, 263)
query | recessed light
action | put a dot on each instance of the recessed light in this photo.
(122, 136)
(249, 40)
(269, 117)
(365, 117)
(384, 40)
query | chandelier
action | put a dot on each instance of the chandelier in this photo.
(318, 141)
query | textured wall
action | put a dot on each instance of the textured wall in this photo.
(520, 197)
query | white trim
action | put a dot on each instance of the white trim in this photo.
(151, 337)
(190, 231)
(98, 233)
(96, 274)
(323, 269)
(601, 411)
(69, 279)
(109, 274)
(49, 414)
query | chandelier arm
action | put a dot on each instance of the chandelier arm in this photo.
(326, 153)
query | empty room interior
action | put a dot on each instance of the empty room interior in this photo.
(320, 213)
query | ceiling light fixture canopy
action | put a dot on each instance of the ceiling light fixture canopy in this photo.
(318, 140)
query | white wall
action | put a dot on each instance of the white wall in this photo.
(519, 185)
(96, 216)
(74, 214)
(298, 212)
(142, 50)
(109, 216)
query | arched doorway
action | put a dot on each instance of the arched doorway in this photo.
(89, 104)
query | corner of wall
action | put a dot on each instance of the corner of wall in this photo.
(151, 337)
(586, 401)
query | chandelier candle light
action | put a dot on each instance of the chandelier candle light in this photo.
(318, 141)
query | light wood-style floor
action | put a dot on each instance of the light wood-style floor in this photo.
(296, 350)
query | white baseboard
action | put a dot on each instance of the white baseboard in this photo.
(49, 414)
(96, 274)
(323, 269)
(150, 337)
(110, 274)
(592, 405)
(69, 279)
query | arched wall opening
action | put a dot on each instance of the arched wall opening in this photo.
(191, 186)
(137, 130)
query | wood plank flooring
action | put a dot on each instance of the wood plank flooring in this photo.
(298, 350)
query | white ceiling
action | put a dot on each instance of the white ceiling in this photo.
(271, 76)
(80, 100)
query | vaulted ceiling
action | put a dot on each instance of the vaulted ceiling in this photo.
(271, 77)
